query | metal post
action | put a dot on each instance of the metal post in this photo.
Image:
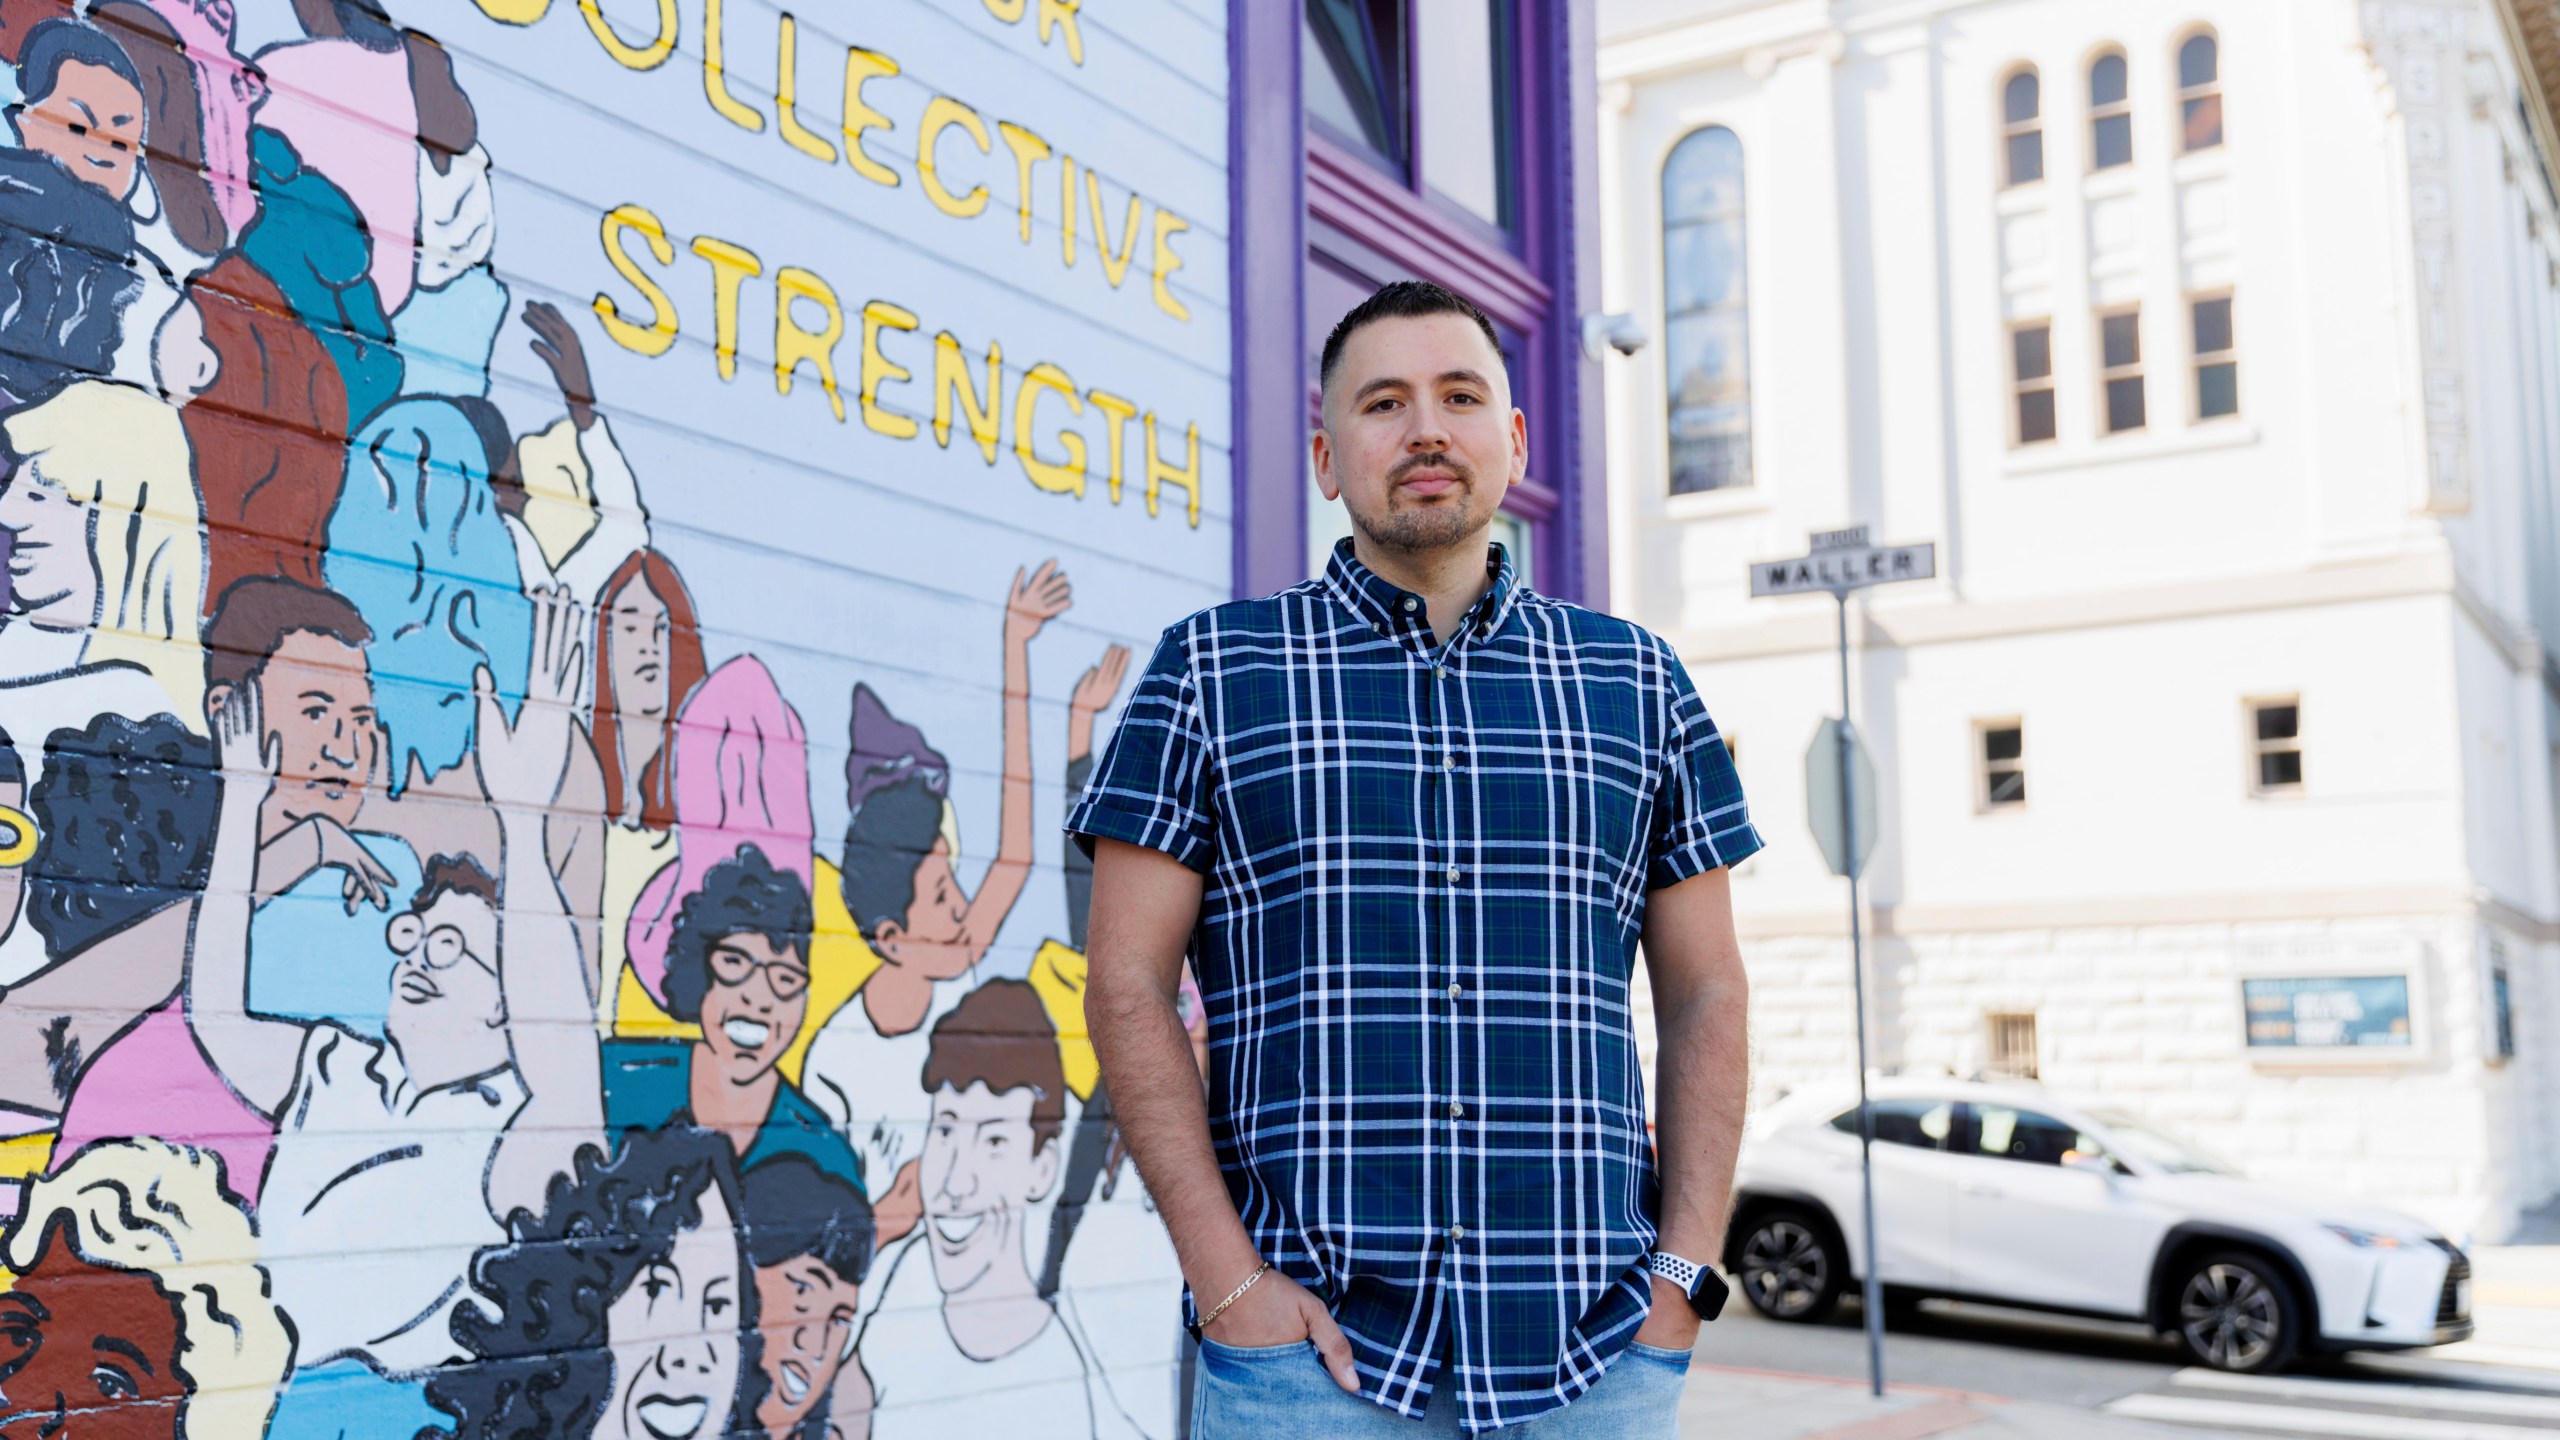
(1874, 1291)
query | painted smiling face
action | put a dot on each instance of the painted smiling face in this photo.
(448, 1014)
(807, 1314)
(92, 124)
(758, 999)
(88, 1352)
(318, 700)
(983, 1167)
(53, 582)
(674, 1335)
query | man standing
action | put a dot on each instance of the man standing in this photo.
(1409, 821)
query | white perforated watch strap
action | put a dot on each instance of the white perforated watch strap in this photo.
(1683, 1273)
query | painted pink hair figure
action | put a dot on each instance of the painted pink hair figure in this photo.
(742, 778)
(229, 89)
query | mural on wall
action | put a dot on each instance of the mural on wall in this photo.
(531, 901)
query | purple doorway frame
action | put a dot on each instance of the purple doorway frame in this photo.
(1541, 290)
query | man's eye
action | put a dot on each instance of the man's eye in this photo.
(114, 1384)
(1462, 399)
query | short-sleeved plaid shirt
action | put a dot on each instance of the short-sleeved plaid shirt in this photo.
(1426, 869)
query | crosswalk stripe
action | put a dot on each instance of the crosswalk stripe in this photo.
(2413, 1397)
(2292, 1420)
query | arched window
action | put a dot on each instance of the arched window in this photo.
(2022, 128)
(2110, 113)
(1706, 316)
(2200, 92)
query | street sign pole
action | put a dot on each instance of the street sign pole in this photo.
(1842, 561)
(1873, 1295)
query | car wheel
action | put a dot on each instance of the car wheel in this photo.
(2236, 1312)
(1789, 1266)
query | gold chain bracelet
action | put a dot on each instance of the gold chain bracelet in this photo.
(1234, 1295)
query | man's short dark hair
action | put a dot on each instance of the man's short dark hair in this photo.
(745, 894)
(253, 617)
(453, 875)
(1000, 1036)
(793, 1208)
(57, 43)
(1400, 300)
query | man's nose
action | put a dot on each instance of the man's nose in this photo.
(1430, 429)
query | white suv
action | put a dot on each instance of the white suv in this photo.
(2007, 1194)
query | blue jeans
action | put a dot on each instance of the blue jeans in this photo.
(1283, 1392)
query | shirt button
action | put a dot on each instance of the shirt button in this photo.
(1457, 1233)
(1456, 991)
(1411, 604)
(1439, 672)
(1449, 761)
(1453, 874)
(1457, 1110)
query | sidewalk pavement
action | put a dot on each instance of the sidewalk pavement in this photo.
(1728, 1403)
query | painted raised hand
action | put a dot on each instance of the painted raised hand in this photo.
(556, 342)
(1036, 599)
(520, 765)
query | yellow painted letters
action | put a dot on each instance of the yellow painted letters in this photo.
(1188, 477)
(654, 338)
(939, 113)
(1168, 225)
(1115, 268)
(1028, 150)
(786, 103)
(1061, 14)
(861, 66)
(636, 57)
(1118, 413)
(878, 369)
(951, 378)
(731, 266)
(1066, 479)
(792, 343)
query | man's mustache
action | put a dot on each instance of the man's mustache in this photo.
(1436, 460)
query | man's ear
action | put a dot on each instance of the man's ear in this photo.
(1320, 451)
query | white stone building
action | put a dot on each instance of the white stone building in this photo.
(2217, 345)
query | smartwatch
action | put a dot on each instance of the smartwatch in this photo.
(1704, 1287)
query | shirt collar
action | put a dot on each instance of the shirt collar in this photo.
(1404, 615)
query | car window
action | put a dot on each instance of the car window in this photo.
(2005, 1133)
(1921, 1124)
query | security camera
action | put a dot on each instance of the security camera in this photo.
(1620, 331)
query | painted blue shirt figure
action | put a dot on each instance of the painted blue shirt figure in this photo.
(1426, 858)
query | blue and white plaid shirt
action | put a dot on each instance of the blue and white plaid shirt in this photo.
(1426, 870)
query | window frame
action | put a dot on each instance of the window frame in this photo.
(2000, 1059)
(2198, 358)
(2011, 130)
(2258, 748)
(1740, 218)
(2113, 109)
(2191, 94)
(2108, 375)
(2021, 386)
(1973, 1137)
(1405, 167)
(1986, 769)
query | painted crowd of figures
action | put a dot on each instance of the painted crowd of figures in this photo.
(426, 1006)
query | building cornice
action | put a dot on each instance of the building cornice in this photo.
(2150, 911)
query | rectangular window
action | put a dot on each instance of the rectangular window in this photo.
(2013, 1044)
(2002, 744)
(1463, 94)
(2120, 367)
(2502, 1009)
(2031, 376)
(2217, 362)
(2275, 728)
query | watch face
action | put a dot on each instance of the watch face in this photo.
(1709, 1296)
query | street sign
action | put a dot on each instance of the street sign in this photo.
(1822, 799)
(1844, 568)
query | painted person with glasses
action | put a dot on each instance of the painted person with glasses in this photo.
(738, 968)
(484, 1084)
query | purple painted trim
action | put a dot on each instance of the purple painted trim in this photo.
(1573, 93)
(1267, 223)
(1353, 195)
